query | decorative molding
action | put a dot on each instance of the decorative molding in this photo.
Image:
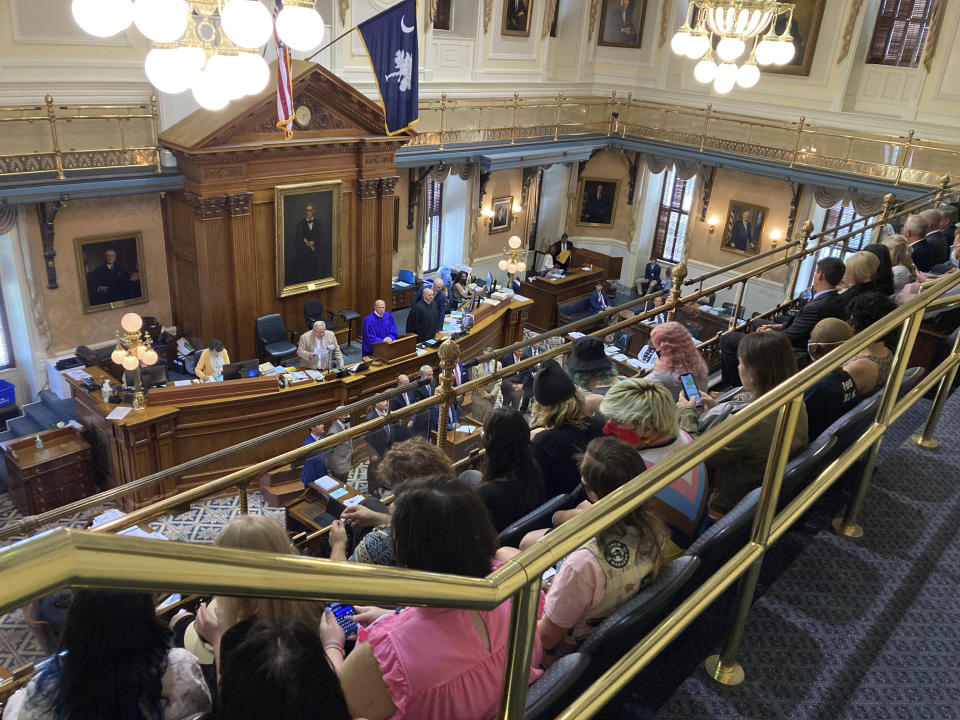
(797, 189)
(487, 13)
(933, 34)
(388, 185)
(207, 208)
(431, 12)
(484, 179)
(632, 180)
(709, 173)
(344, 9)
(665, 8)
(367, 188)
(550, 8)
(848, 29)
(47, 217)
(239, 204)
(594, 7)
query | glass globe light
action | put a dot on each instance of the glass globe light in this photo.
(301, 28)
(225, 71)
(208, 93)
(681, 40)
(163, 21)
(117, 356)
(254, 71)
(521, 266)
(784, 51)
(705, 71)
(102, 18)
(766, 52)
(727, 73)
(730, 48)
(165, 71)
(149, 357)
(698, 45)
(748, 75)
(130, 363)
(502, 264)
(514, 241)
(131, 322)
(246, 22)
(511, 267)
(722, 85)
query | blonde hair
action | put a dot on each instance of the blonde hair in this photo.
(641, 402)
(861, 267)
(264, 534)
(900, 252)
(572, 411)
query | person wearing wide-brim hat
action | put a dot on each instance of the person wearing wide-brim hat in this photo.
(591, 370)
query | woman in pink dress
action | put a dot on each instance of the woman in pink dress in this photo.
(430, 663)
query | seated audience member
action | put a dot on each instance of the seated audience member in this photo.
(431, 663)
(511, 484)
(223, 622)
(949, 215)
(829, 398)
(561, 428)
(483, 399)
(115, 662)
(211, 362)
(378, 442)
(318, 349)
(952, 262)
(824, 303)
(902, 264)
(883, 278)
(766, 360)
(676, 355)
(939, 244)
(280, 671)
(592, 371)
(598, 298)
(870, 368)
(915, 230)
(378, 326)
(339, 458)
(604, 573)
(315, 465)
(859, 278)
(403, 462)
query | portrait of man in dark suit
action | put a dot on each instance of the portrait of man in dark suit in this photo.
(744, 230)
(516, 17)
(597, 202)
(501, 214)
(621, 23)
(307, 237)
(110, 271)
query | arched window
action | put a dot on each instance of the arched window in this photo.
(675, 203)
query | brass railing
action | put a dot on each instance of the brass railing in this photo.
(895, 158)
(53, 138)
(35, 567)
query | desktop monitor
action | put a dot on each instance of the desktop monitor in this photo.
(473, 302)
(489, 281)
(243, 369)
(150, 376)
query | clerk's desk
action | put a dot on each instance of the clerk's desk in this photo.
(548, 294)
(162, 436)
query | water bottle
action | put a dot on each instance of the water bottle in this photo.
(39, 442)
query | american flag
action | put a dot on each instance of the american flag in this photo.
(284, 80)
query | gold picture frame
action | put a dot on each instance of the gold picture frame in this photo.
(805, 28)
(619, 31)
(597, 210)
(502, 214)
(516, 18)
(308, 253)
(106, 285)
(743, 234)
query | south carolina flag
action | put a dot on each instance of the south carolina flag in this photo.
(391, 42)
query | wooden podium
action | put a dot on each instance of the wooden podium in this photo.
(401, 348)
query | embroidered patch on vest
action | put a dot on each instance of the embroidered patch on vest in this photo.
(616, 554)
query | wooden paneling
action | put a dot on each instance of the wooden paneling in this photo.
(549, 294)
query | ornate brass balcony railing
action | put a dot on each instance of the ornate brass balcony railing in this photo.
(59, 139)
(896, 158)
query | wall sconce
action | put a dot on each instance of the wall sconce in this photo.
(775, 237)
(712, 223)
(517, 208)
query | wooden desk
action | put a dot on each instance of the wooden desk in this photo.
(40, 479)
(460, 444)
(612, 264)
(402, 297)
(400, 349)
(548, 294)
(161, 436)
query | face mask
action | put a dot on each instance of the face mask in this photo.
(626, 435)
(955, 260)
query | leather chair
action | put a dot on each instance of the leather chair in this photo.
(272, 336)
(313, 311)
(717, 543)
(537, 518)
(553, 684)
(802, 469)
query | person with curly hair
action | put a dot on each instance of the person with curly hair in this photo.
(870, 368)
(677, 355)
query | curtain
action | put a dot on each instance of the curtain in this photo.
(8, 217)
(863, 205)
(686, 169)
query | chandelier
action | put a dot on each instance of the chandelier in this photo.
(727, 27)
(513, 257)
(210, 47)
(133, 351)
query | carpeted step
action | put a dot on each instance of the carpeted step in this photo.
(42, 415)
(66, 409)
(21, 426)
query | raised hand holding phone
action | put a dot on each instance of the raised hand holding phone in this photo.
(690, 389)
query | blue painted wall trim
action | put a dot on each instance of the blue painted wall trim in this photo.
(23, 189)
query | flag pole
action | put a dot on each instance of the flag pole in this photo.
(336, 39)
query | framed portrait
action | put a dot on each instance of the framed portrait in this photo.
(308, 236)
(598, 202)
(804, 27)
(743, 233)
(516, 17)
(621, 23)
(111, 271)
(502, 213)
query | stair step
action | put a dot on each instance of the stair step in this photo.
(42, 415)
(7, 435)
(21, 426)
(66, 409)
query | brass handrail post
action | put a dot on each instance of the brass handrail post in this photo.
(52, 119)
(925, 439)
(523, 628)
(846, 524)
(944, 184)
(443, 117)
(889, 200)
(678, 274)
(516, 110)
(706, 123)
(449, 356)
(736, 311)
(724, 667)
(805, 232)
(154, 111)
(556, 128)
(242, 489)
(901, 161)
(611, 123)
(796, 146)
(626, 115)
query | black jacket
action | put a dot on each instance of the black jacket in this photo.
(923, 255)
(798, 328)
(423, 321)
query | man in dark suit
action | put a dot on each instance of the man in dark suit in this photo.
(108, 282)
(915, 230)
(404, 429)
(938, 241)
(824, 303)
(741, 234)
(516, 15)
(314, 466)
(597, 208)
(426, 421)
(311, 249)
(598, 298)
(618, 24)
(562, 244)
(378, 442)
(651, 276)
(517, 389)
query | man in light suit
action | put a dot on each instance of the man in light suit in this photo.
(340, 458)
(318, 349)
(483, 400)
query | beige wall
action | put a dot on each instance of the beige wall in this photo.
(406, 256)
(69, 325)
(501, 184)
(606, 165)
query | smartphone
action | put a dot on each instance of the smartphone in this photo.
(340, 612)
(690, 388)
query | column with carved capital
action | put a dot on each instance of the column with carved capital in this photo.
(244, 255)
(214, 282)
(366, 275)
(388, 187)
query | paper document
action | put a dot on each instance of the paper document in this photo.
(326, 483)
(563, 256)
(611, 349)
(355, 500)
(180, 383)
(77, 373)
(520, 298)
(137, 532)
(634, 363)
(111, 514)
(314, 374)
(467, 428)
(620, 357)
(401, 283)
(119, 413)
(575, 335)
(338, 493)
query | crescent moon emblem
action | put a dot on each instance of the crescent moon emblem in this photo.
(403, 25)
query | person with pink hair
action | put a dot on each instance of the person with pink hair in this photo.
(677, 355)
